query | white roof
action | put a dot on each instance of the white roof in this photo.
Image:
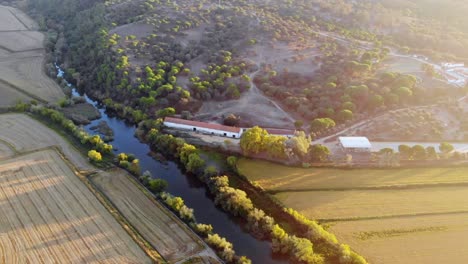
(355, 142)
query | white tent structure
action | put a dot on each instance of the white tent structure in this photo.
(355, 144)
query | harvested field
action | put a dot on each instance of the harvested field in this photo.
(164, 232)
(27, 134)
(170, 237)
(275, 177)
(24, 19)
(8, 21)
(27, 75)
(50, 216)
(428, 239)
(21, 41)
(388, 216)
(5, 151)
(378, 203)
(21, 60)
(10, 96)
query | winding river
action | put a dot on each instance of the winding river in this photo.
(189, 188)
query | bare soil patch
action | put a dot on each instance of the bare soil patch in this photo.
(137, 29)
(171, 238)
(49, 215)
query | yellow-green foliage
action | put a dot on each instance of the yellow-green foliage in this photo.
(94, 156)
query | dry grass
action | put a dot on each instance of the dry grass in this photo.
(50, 216)
(378, 203)
(170, 237)
(276, 177)
(27, 134)
(428, 239)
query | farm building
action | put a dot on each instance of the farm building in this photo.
(281, 132)
(206, 128)
(355, 144)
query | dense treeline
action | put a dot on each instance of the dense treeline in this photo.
(298, 149)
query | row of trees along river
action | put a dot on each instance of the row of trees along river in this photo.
(189, 188)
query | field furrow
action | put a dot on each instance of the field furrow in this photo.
(168, 235)
(51, 216)
(26, 134)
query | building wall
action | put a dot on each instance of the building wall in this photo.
(203, 130)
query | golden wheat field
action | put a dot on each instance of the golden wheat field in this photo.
(421, 239)
(275, 177)
(167, 234)
(393, 216)
(50, 216)
(376, 203)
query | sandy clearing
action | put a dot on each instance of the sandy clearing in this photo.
(21, 40)
(139, 30)
(407, 245)
(376, 203)
(171, 238)
(50, 216)
(27, 134)
(27, 74)
(8, 21)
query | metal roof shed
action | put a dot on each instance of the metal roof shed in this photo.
(355, 143)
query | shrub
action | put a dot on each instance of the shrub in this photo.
(94, 156)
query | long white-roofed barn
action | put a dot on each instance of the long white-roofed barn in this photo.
(206, 128)
(355, 144)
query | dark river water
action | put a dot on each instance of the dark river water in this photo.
(189, 188)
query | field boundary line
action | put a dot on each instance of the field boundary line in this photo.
(171, 214)
(136, 237)
(19, 20)
(373, 188)
(203, 246)
(12, 86)
(123, 221)
(349, 219)
(11, 147)
(18, 30)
